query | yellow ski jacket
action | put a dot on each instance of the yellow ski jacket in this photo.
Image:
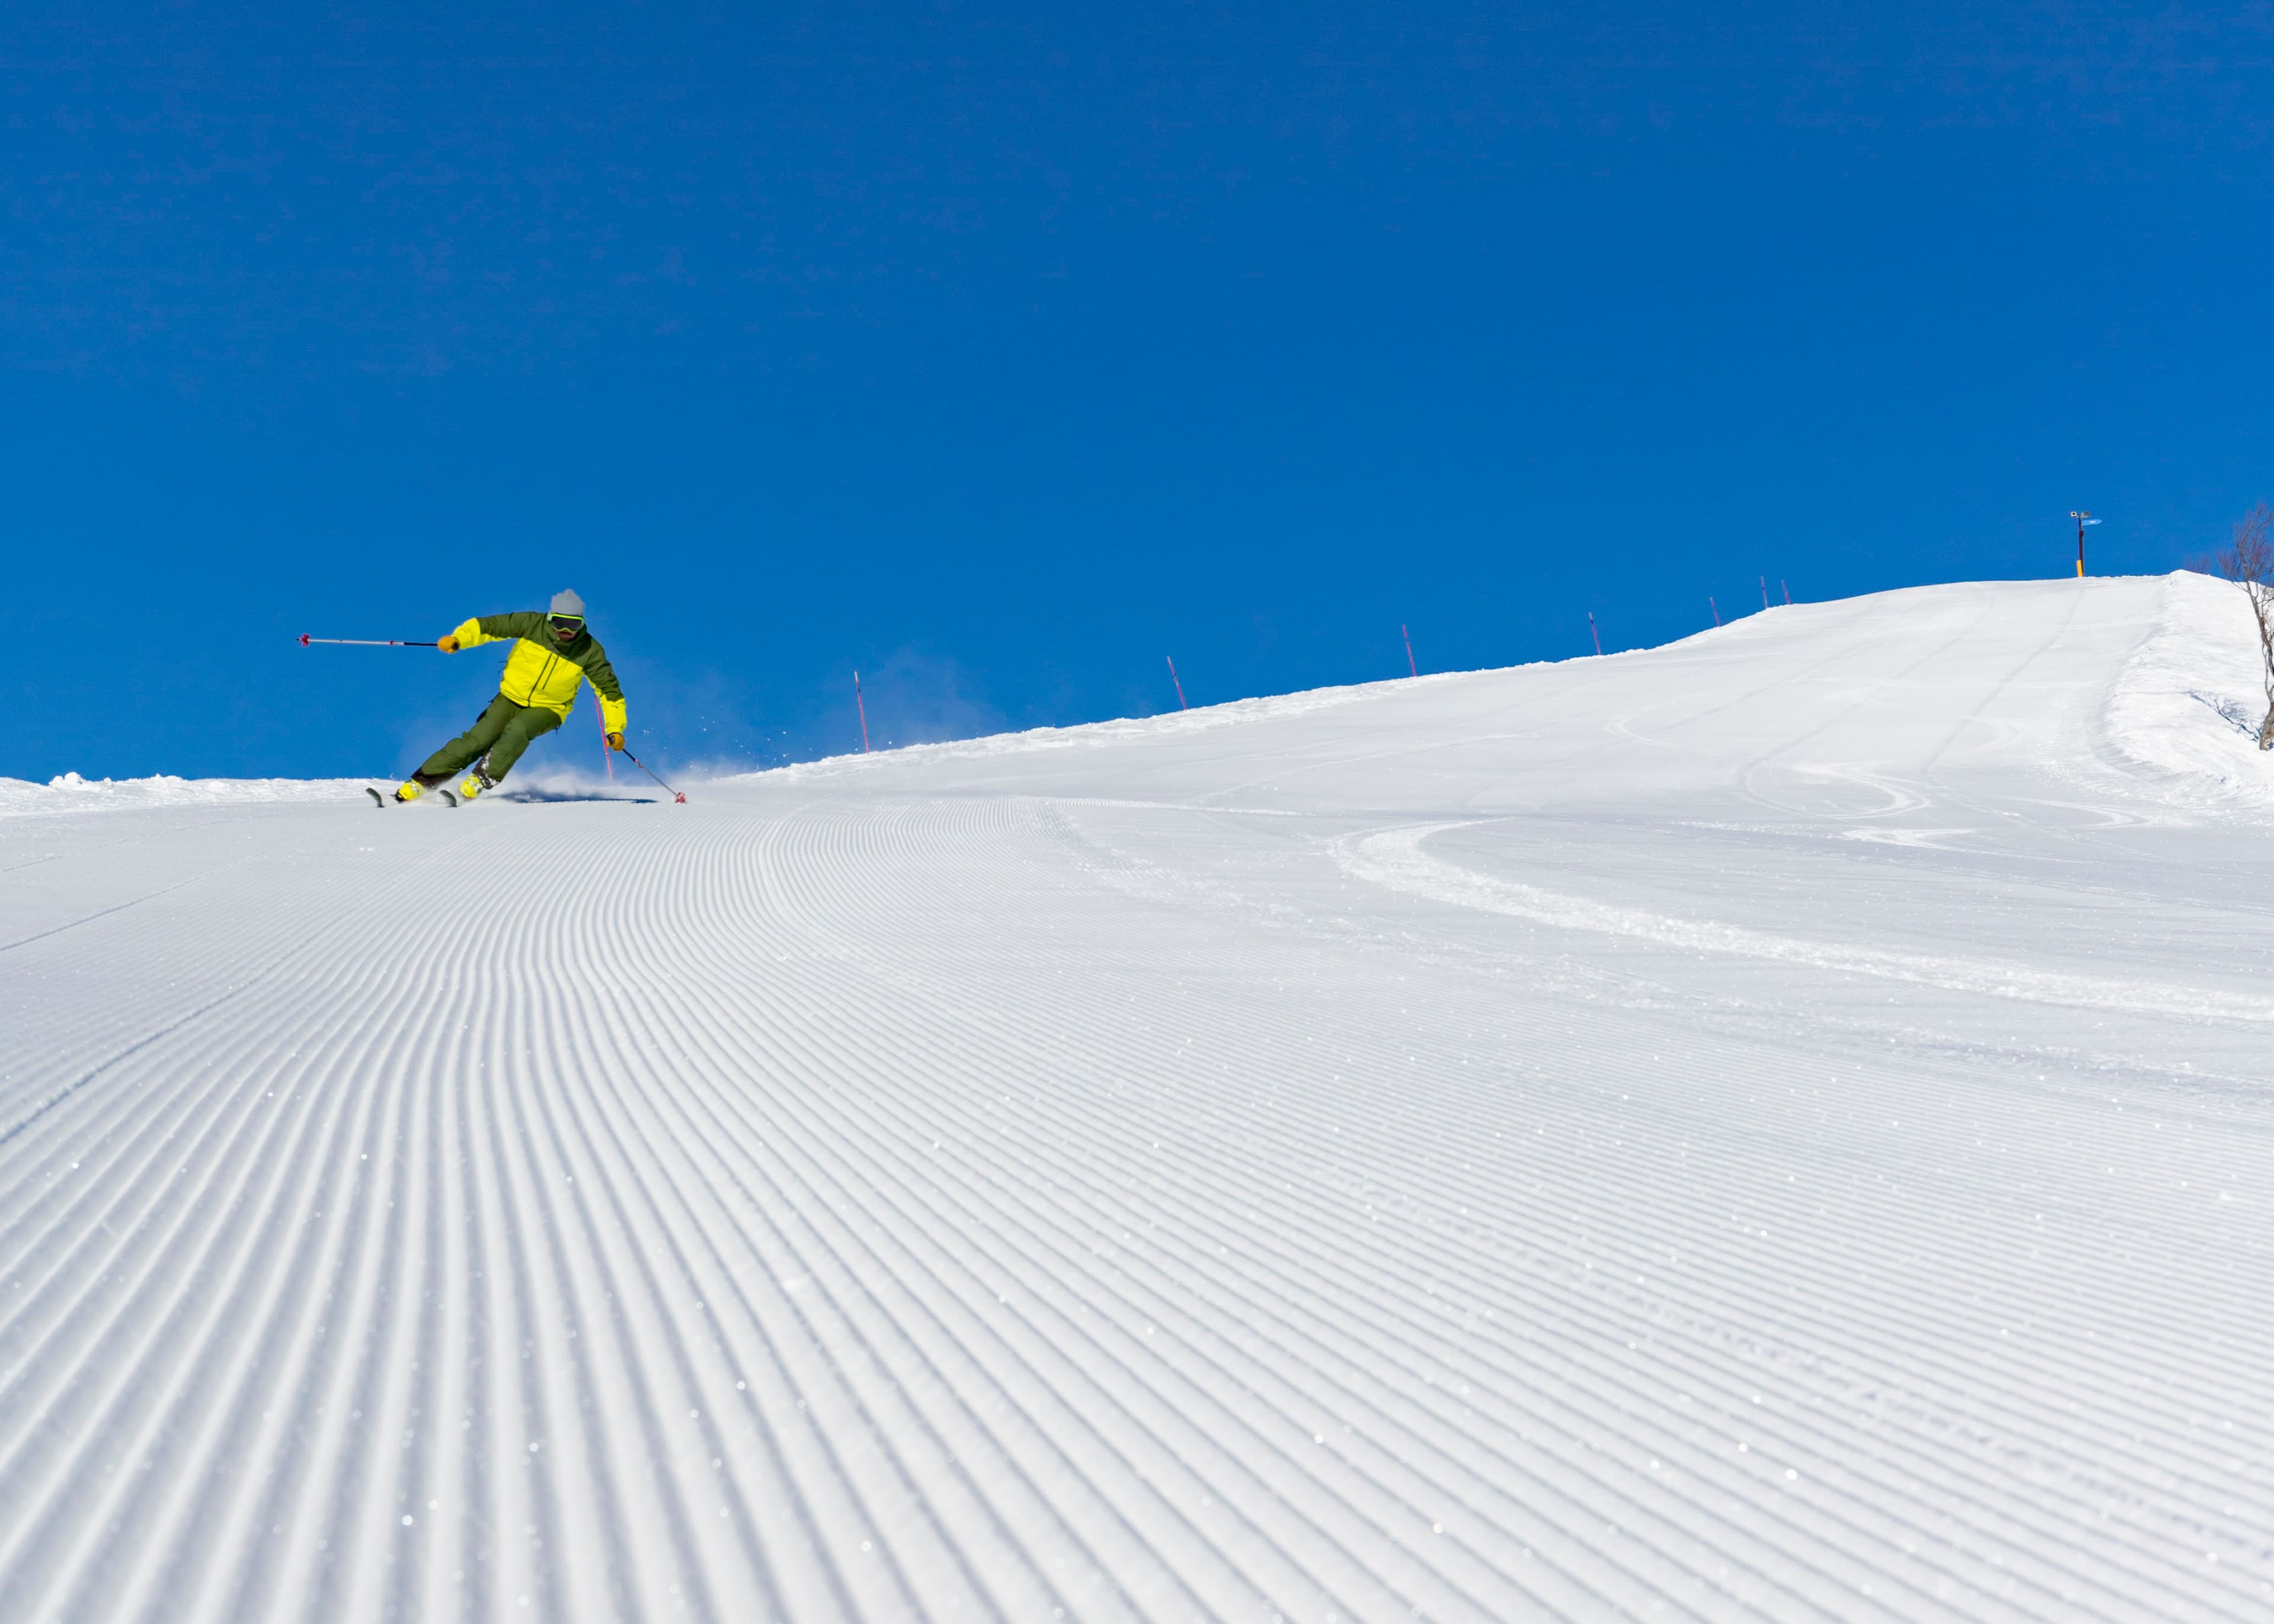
(542, 672)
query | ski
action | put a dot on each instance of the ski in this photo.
(380, 802)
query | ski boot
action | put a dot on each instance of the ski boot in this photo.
(477, 781)
(416, 786)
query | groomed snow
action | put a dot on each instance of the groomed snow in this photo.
(1776, 1126)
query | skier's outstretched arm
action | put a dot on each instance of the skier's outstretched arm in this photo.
(490, 629)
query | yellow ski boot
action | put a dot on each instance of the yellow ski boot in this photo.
(411, 791)
(477, 781)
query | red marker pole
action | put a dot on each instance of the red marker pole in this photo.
(1181, 705)
(1715, 608)
(1412, 670)
(1764, 591)
(1591, 632)
(1786, 590)
(863, 710)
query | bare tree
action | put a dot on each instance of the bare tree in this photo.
(2249, 564)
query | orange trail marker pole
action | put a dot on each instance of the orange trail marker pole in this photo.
(1591, 632)
(1412, 670)
(1181, 705)
(863, 710)
(1715, 608)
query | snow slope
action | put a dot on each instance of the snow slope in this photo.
(1777, 1126)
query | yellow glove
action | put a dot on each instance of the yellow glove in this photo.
(616, 741)
(448, 645)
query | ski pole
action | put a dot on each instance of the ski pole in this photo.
(643, 767)
(367, 643)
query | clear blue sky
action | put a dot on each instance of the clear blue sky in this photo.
(999, 350)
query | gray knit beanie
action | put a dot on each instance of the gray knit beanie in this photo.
(568, 602)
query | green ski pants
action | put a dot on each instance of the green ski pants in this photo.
(502, 732)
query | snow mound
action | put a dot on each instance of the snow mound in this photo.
(2187, 706)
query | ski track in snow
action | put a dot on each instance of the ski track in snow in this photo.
(1489, 1147)
(1396, 859)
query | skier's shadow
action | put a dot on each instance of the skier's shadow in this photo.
(549, 796)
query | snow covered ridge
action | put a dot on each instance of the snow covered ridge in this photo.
(2159, 681)
(71, 792)
(1771, 1127)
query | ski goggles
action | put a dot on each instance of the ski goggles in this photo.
(567, 625)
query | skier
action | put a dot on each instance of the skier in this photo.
(552, 653)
